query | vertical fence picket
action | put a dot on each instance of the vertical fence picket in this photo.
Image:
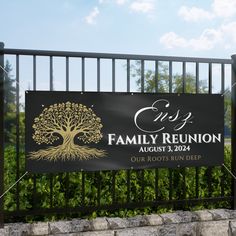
(222, 179)
(114, 172)
(210, 78)
(113, 75)
(184, 91)
(142, 180)
(128, 186)
(197, 77)
(51, 190)
(156, 76)
(233, 128)
(98, 187)
(184, 78)
(184, 183)
(34, 72)
(34, 88)
(156, 184)
(197, 168)
(170, 184)
(67, 73)
(222, 78)
(170, 77)
(67, 180)
(83, 189)
(128, 171)
(99, 175)
(1, 133)
(209, 169)
(51, 88)
(34, 191)
(113, 190)
(98, 75)
(17, 131)
(83, 73)
(128, 75)
(142, 76)
(197, 182)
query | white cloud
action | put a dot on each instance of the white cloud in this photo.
(229, 34)
(172, 40)
(120, 2)
(143, 6)
(224, 36)
(208, 39)
(194, 14)
(224, 8)
(219, 8)
(91, 17)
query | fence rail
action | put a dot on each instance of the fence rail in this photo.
(27, 52)
(130, 200)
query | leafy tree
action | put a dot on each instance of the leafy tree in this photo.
(9, 104)
(68, 121)
(163, 80)
(9, 89)
(227, 112)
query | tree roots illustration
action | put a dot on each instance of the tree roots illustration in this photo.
(65, 153)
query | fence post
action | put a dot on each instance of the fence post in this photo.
(1, 133)
(233, 127)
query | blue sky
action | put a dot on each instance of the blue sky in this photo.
(193, 28)
(159, 27)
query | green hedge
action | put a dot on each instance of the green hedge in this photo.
(75, 194)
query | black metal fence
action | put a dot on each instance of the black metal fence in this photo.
(143, 188)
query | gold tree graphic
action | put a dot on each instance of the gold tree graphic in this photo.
(67, 121)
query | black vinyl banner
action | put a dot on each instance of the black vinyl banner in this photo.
(74, 131)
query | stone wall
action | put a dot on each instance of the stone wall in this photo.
(218, 222)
